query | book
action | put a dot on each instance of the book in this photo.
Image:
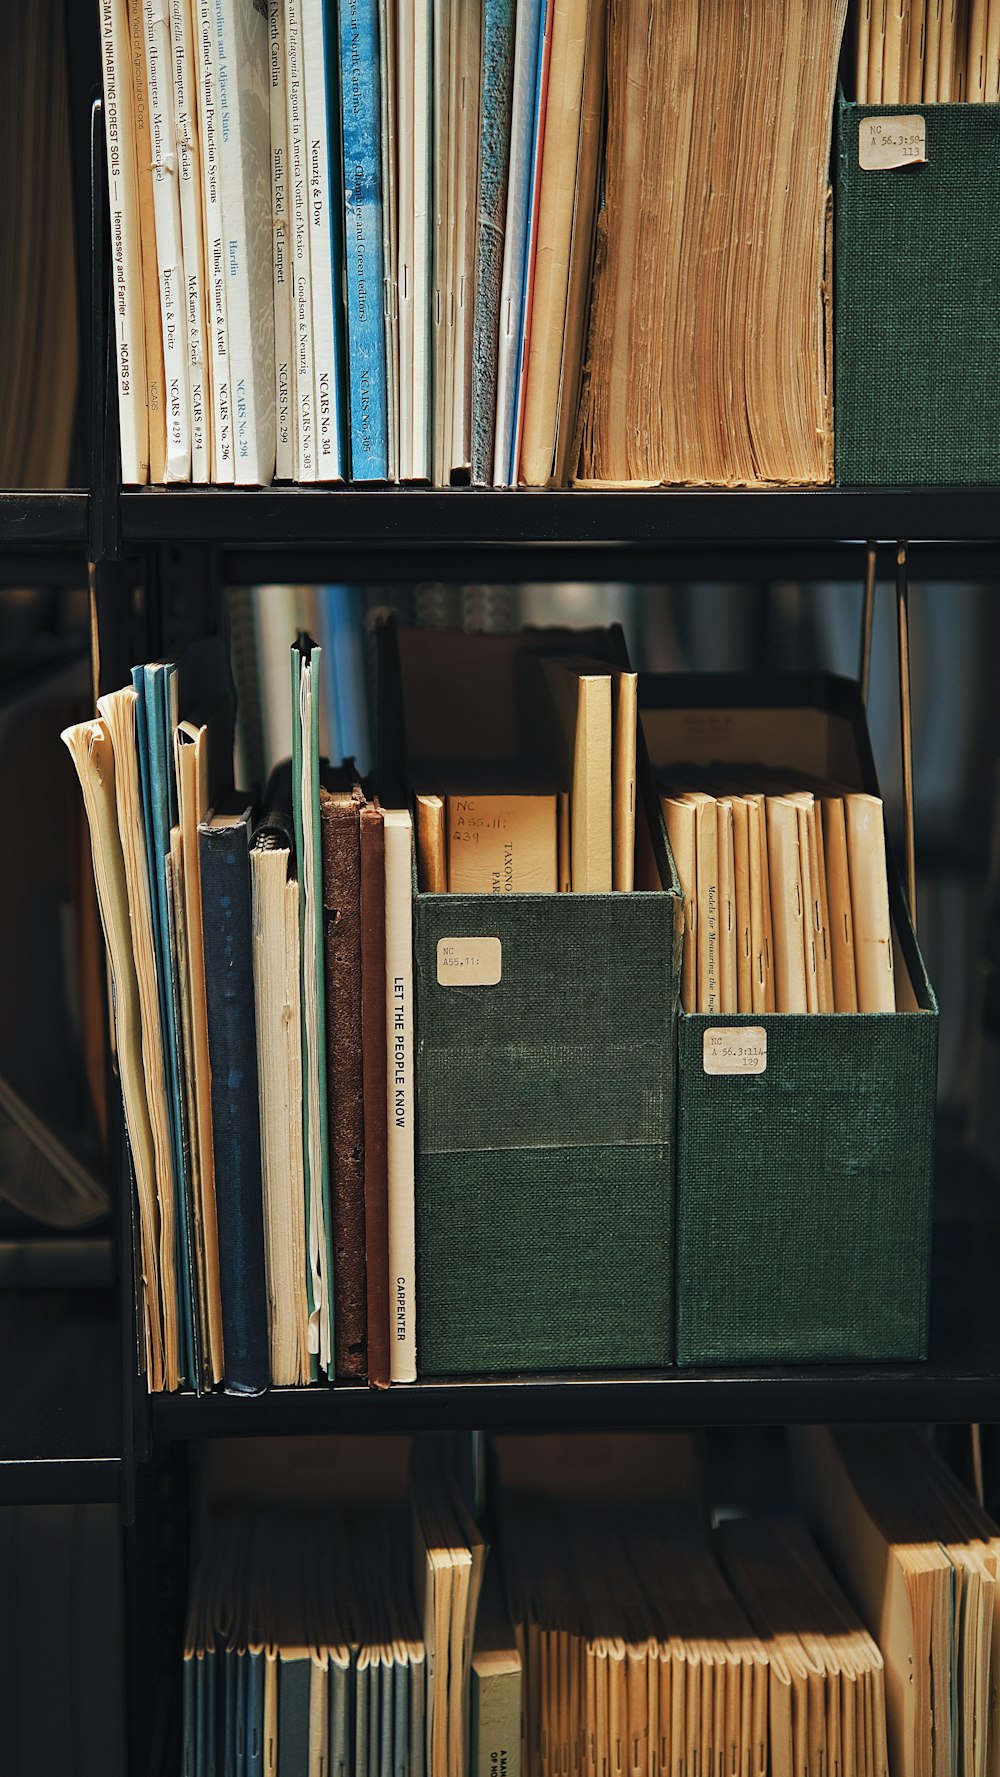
(387, 25)
(680, 819)
(190, 741)
(528, 20)
(432, 844)
(169, 253)
(90, 748)
(281, 241)
(494, 156)
(581, 254)
(712, 256)
(400, 1093)
(466, 85)
(274, 902)
(560, 173)
(321, 87)
(502, 841)
(227, 936)
(126, 251)
(243, 114)
(184, 68)
(575, 731)
(534, 184)
(415, 211)
(303, 380)
(209, 139)
(340, 840)
(360, 79)
(872, 929)
(375, 1091)
(784, 862)
(305, 669)
(495, 1700)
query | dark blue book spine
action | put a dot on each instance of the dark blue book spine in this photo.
(494, 158)
(232, 1045)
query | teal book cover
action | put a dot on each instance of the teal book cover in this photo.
(361, 119)
(306, 659)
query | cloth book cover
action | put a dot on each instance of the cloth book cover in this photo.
(545, 1092)
(803, 1191)
(917, 314)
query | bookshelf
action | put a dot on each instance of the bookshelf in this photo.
(76, 1420)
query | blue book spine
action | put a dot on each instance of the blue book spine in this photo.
(494, 158)
(255, 1712)
(227, 936)
(362, 144)
(343, 620)
(524, 84)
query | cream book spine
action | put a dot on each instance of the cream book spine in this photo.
(191, 769)
(126, 263)
(211, 190)
(444, 33)
(185, 77)
(870, 903)
(319, 67)
(303, 375)
(625, 720)
(169, 251)
(244, 164)
(581, 726)
(841, 925)
(400, 1122)
(423, 369)
(90, 749)
(785, 879)
(741, 896)
(280, 242)
(560, 161)
(707, 878)
(432, 851)
(727, 906)
(680, 821)
(152, 329)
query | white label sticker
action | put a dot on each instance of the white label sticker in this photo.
(741, 1049)
(468, 962)
(885, 142)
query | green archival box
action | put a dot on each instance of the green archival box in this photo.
(803, 1192)
(917, 302)
(545, 1100)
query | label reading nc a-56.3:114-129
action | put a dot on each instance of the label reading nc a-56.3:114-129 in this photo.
(739, 1049)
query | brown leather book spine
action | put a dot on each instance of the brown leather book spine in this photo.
(375, 1090)
(340, 836)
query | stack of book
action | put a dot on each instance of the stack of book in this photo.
(378, 241)
(786, 898)
(617, 1630)
(925, 51)
(261, 958)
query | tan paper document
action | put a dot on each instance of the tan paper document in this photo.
(579, 733)
(624, 724)
(784, 871)
(727, 905)
(841, 924)
(870, 903)
(680, 819)
(741, 884)
(432, 853)
(502, 844)
(707, 918)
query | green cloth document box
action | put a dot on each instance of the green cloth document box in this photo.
(917, 298)
(545, 1098)
(804, 1190)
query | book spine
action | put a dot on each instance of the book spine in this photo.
(152, 331)
(468, 101)
(363, 201)
(169, 253)
(375, 1075)
(390, 305)
(523, 89)
(228, 945)
(442, 193)
(495, 1710)
(494, 158)
(531, 233)
(339, 825)
(217, 313)
(303, 378)
(319, 63)
(280, 262)
(241, 66)
(423, 368)
(126, 268)
(183, 67)
(399, 1096)
(405, 239)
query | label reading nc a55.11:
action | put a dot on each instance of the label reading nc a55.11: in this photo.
(468, 962)
(887, 142)
(742, 1049)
